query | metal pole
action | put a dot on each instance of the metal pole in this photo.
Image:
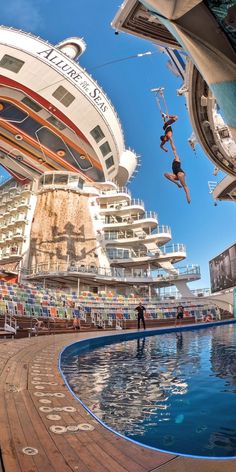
(78, 287)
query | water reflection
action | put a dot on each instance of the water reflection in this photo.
(140, 347)
(161, 389)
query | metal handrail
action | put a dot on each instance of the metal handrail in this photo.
(177, 247)
(48, 268)
(117, 191)
(131, 219)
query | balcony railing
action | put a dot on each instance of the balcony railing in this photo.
(124, 205)
(173, 248)
(9, 252)
(129, 219)
(163, 229)
(48, 268)
(128, 254)
(179, 271)
(137, 202)
(117, 191)
(115, 235)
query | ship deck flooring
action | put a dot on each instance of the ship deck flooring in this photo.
(30, 440)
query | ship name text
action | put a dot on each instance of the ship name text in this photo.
(77, 76)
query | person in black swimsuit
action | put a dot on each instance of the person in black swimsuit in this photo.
(178, 176)
(168, 131)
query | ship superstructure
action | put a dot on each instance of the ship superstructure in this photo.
(66, 217)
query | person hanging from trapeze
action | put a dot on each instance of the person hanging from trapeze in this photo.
(178, 176)
(168, 119)
(168, 131)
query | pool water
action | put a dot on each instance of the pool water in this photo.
(175, 391)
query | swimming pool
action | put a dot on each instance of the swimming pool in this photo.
(175, 391)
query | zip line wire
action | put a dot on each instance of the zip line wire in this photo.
(148, 53)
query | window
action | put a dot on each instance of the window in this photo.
(11, 63)
(10, 112)
(60, 179)
(80, 183)
(31, 104)
(105, 149)
(58, 124)
(48, 179)
(109, 162)
(97, 134)
(63, 96)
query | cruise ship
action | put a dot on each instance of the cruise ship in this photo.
(67, 219)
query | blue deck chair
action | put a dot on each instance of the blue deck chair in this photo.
(45, 311)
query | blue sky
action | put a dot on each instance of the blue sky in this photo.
(204, 228)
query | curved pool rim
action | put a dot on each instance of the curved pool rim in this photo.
(115, 338)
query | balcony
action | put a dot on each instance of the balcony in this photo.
(148, 217)
(5, 255)
(173, 252)
(114, 274)
(124, 208)
(16, 194)
(8, 237)
(11, 253)
(11, 222)
(4, 226)
(23, 204)
(6, 211)
(5, 191)
(190, 272)
(129, 236)
(13, 208)
(129, 257)
(21, 219)
(26, 189)
(132, 257)
(115, 195)
(18, 235)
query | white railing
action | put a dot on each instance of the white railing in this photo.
(10, 324)
(119, 273)
(129, 254)
(137, 201)
(124, 205)
(130, 219)
(163, 229)
(173, 248)
(129, 234)
(117, 191)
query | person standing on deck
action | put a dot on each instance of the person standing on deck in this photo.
(179, 314)
(141, 309)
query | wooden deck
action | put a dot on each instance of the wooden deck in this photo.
(43, 428)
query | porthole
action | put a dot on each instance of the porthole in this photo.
(61, 153)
